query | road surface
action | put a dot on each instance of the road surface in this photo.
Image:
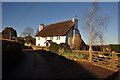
(43, 64)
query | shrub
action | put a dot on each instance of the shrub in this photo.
(28, 41)
(85, 56)
(115, 47)
(61, 51)
(66, 47)
(54, 47)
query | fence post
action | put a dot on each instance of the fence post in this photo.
(113, 59)
(90, 55)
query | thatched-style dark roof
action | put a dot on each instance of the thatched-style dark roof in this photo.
(57, 29)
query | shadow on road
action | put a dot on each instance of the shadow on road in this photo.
(43, 64)
(64, 68)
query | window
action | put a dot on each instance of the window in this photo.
(45, 38)
(58, 37)
(51, 38)
(38, 38)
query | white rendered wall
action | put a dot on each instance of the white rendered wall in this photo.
(42, 40)
(61, 40)
(69, 37)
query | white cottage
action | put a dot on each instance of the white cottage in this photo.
(61, 32)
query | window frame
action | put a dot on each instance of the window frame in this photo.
(58, 38)
(38, 38)
(51, 38)
(45, 38)
(38, 44)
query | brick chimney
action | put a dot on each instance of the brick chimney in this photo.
(75, 30)
(75, 20)
(41, 26)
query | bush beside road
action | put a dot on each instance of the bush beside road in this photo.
(11, 55)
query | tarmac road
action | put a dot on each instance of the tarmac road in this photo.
(43, 64)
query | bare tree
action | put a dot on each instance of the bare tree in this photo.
(37, 31)
(28, 31)
(95, 23)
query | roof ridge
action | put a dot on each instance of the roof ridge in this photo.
(58, 22)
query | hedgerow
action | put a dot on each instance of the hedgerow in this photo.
(63, 49)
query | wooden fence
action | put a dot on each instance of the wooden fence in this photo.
(107, 59)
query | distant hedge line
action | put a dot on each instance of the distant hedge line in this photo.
(115, 47)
